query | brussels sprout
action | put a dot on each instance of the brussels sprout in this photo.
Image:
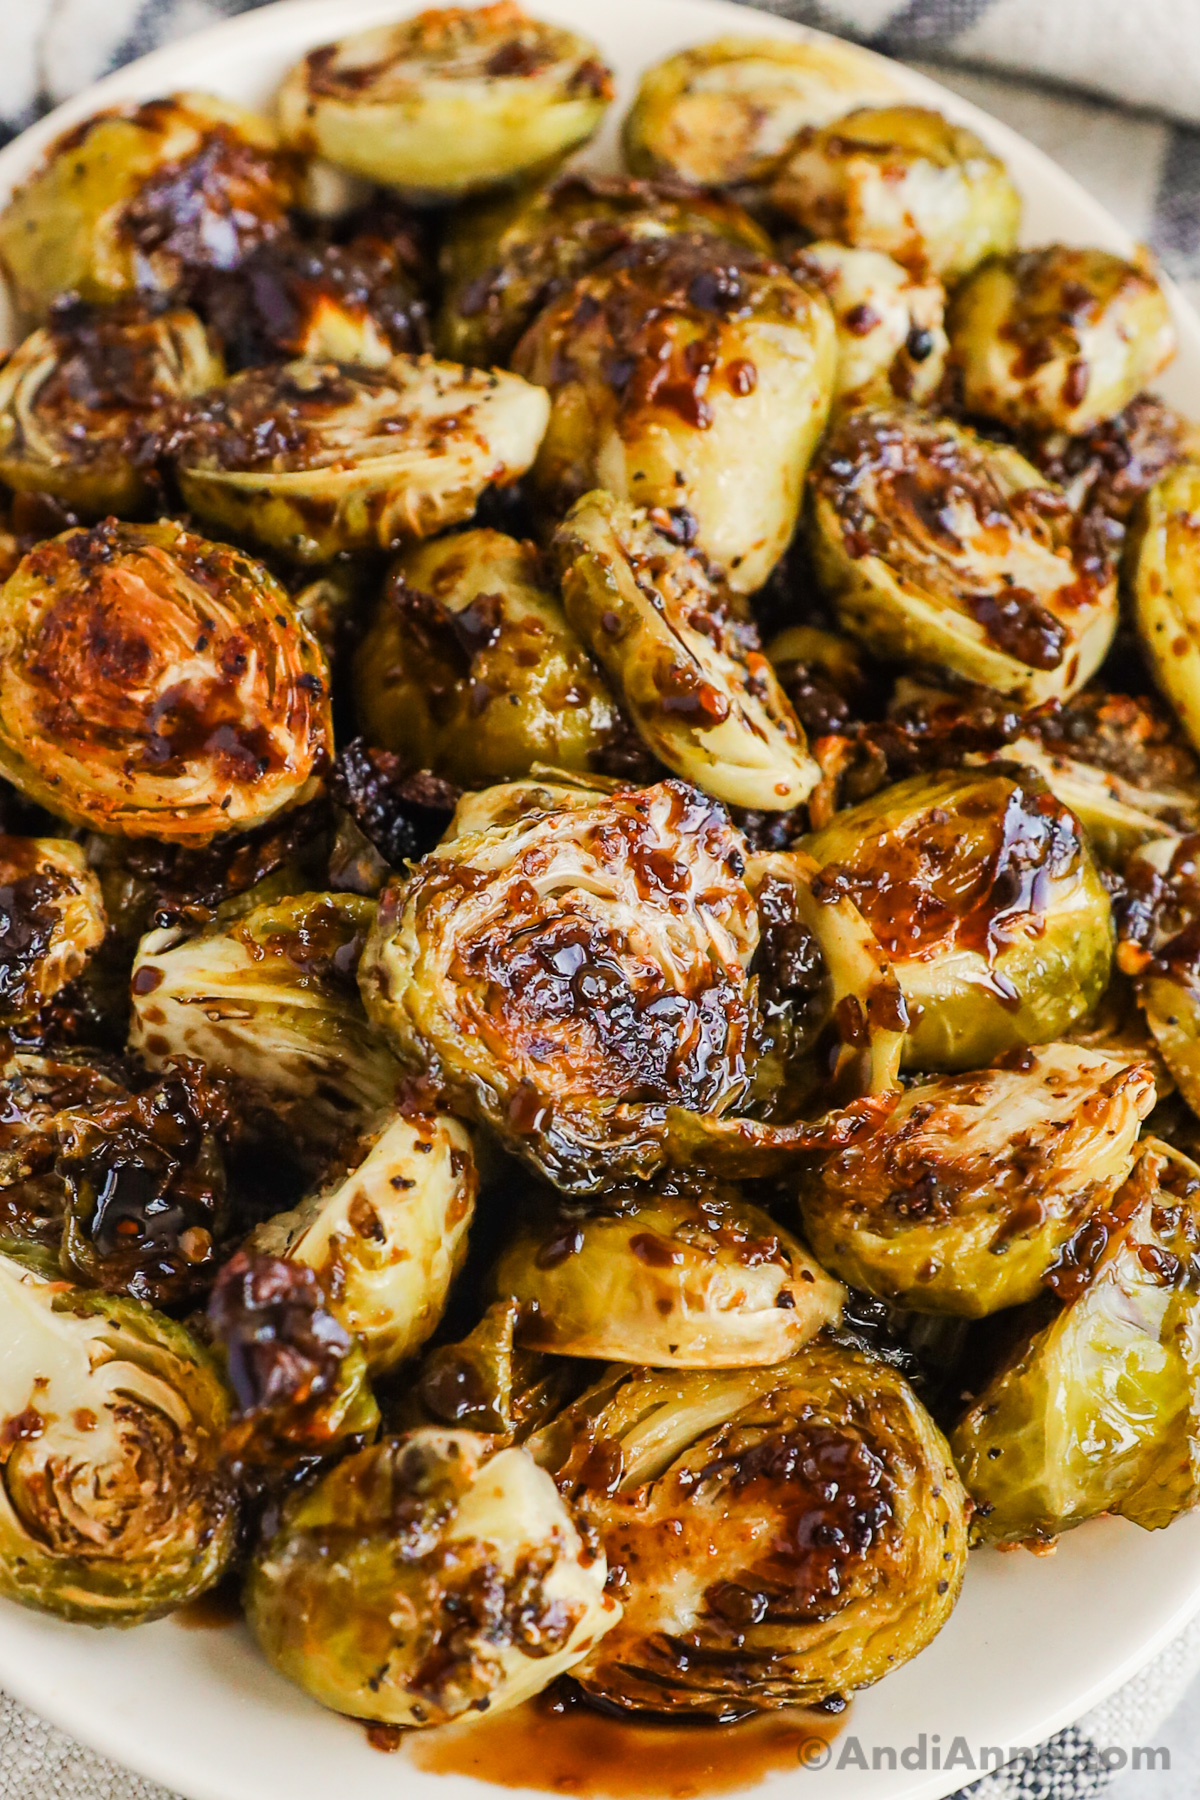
(155, 685)
(937, 545)
(504, 261)
(1109, 468)
(1097, 1411)
(681, 1281)
(689, 668)
(903, 180)
(982, 891)
(471, 670)
(692, 375)
(36, 1093)
(728, 111)
(84, 400)
(316, 458)
(138, 198)
(270, 1001)
(569, 973)
(1160, 570)
(891, 338)
(113, 1508)
(51, 919)
(775, 1536)
(1160, 950)
(427, 1577)
(489, 1383)
(1058, 339)
(964, 1194)
(449, 102)
(387, 1236)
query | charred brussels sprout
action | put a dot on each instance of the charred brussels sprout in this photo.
(982, 891)
(903, 180)
(688, 666)
(113, 1507)
(387, 1236)
(672, 1281)
(1059, 339)
(38, 1093)
(51, 919)
(504, 261)
(687, 373)
(153, 684)
(1162, 556)
(270, 1001)
(890, 332)
(142, 198)
(315, 458)
(1097, 1411)
(728, 111)
(937, 545)
(570, 973)
(426, 1577)
(447, 103)
(962, 1197)
(471, 670)
(774, 1536)
(84, 403)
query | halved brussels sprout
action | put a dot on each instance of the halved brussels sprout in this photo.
(904, 180)
(154, 684)
(1059, 339)
(113, 1504)
(449, 102)
(1162, 557)
(51, 919)
(890, 331)
(962, 1197)
(270, 1001)
(471, 670)
(937, 545)
(728, 111)
(983, 893)
(774, 1536)
(1097, 1412)
(688, 667)
(36, 1092)
(504, 261)
(691, 374)
(316, 458)
(569, 974)
(679, 1281)
(138, 198)
(427, 1577)
(487, 1382)
(387, 1236)
(84, 402)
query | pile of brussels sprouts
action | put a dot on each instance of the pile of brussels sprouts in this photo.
(595, 1095)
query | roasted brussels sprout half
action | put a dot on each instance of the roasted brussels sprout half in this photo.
(904, 180)
(1097, 1412)
(36, 1093)
(270, 1001)
(983, 893)
(153, 684)
(774, 1536)
(84, 402)
(1058, 339)
(890, 332)
(570, 973)
(426, 1577)
(728, 111)
(141, 198)
(1161, 563)
(966, 1191)
(504, 261)
(387, 1236)
(51, 919)
(113, 1506)
(471, 670)
(449, 102)
(687, 665)
(684, 1281)
(316, 458)
(937, 545)
(689, 374)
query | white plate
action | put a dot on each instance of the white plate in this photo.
(1034, 1641)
